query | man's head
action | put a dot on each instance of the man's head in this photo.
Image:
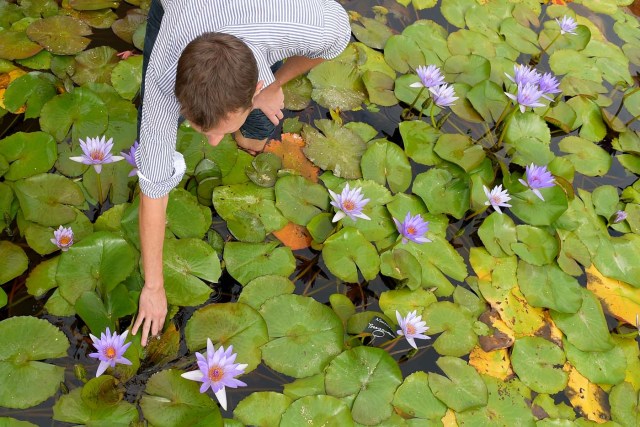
(216, 80)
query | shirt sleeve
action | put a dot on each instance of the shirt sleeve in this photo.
(160, 166)
(337, 31)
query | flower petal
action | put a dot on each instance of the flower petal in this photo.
(221, 395)
(193, 375)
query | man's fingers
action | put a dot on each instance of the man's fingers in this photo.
(145, 331)
(155, 326)
(137, 323)
(273, 118)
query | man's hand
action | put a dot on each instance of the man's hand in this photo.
(152, 310)
(271, 101)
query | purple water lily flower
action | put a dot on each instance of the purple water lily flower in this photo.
(619, 216)
(412, 326)
(497, 197)
(538, 177)
(548, 85)
(429, 76)
(349, 203)
(63, 238)
(523, 74)
(217, 370)
(443, 95)
(413, 228)
(110, 350)
(130, 157)
(528, 96)
(96, 152)
(567, 25)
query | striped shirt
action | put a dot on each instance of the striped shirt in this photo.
(272, 29)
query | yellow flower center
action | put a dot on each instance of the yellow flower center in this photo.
(110, 352)
(64, 240)
(411, 230)
(411, 329)
(215, 373)
(348, 205)
(97, 155)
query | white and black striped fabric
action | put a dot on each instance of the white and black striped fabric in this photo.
(273, 30)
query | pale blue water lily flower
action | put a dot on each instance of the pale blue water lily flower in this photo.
(528, 96)
(412, 228)
(548, 85)
(63, 238)
(96, 152)
(619, 216)
(568, 25)
(412, 326)
(538, 177)
(443, 95)
(497, 197)
(429, 76)
(523, 74)
(217, 370)
(111, 349)
(349, 203)
(130, 157)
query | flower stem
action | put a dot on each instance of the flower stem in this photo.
(99, 190)
(506, 125)
(417, 97)
(433, 120)
(549, 45)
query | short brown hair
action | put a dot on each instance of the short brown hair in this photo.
(217, 74)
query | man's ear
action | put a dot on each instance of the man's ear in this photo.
(259, 87)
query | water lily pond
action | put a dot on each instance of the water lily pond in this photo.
(446, 231)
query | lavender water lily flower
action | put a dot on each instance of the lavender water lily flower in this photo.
(548, 85)
(443, 95)
(96, 152)
(349, 203)
(217, 370)
(63, 238)
(619, 216)
(523, 74)
(412, 327)
(568, 25)
(497, 197)
(538, 177)
(110, 350)
(429, 76)
(412, 228)
(528, 96)
(130, 157)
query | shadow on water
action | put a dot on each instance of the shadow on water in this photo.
(313, 278)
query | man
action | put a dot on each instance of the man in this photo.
(209, 61)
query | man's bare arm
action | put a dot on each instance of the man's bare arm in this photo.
(152, 307)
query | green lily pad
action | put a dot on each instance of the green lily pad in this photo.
(588, 158)
(403, 54)
(12, 422)
(60, 34)
(519, 37)
(419, 139)
(263, 170)
(48, 199)
(431, 39)
(371, 32)
(260, 289)
(528, 125)
(246, 261)
(403, 266)
(443, 192)
(348, 251)
(498, 233)
(28, 153)
(405, 301)
(538, 363)
(16, 45)
(530, 209)
(415, 398)
(297, 95)
(417, 97)
(304, 335)
(337, 85)
(31, 90)
(25, 340)
(458, 337)
(599, 367)
(39, 237)
(587, 328)
(95, 65)
(535, 245)
(463, 389)
(337, 148)
(466, 68)
(262, 409)
(77, 409)
(488, 99)
(127, 76)
(367, 378)
(317, 410)
(171, 400)
(299, 199)
(385, 162)
(588, 118)
(185, 217)
(614, 258)
(625, 405)
(99, 314)
(461, 150)
(506, 406)
(320, 227)
(102, 261)
(43, 277)
(550, 287)
(379, 87)
(309, 386)
(58, 306)
(13, 261)
(126, 26)
(229, 324)
(83, 110)
(187, 262)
